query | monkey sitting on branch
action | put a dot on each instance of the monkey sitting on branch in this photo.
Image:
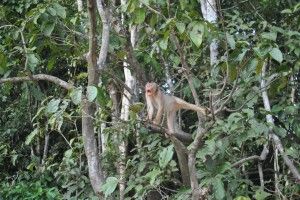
(168, 105)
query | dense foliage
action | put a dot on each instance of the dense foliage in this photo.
(41, 147)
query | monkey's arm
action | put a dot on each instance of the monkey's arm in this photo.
(160, 110)
(150, 109)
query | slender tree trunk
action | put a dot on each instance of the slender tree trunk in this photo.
(89, 108)
(209, 12)
(46, 147)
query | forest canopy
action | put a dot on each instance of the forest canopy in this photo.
(74, 116)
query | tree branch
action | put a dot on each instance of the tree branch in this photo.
(39, 77)
(104, 14)
(255, 157)
(182, 136)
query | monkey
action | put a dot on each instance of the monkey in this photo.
(162, 103)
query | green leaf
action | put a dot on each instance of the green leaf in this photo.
(47, 28)
(253, 63)
(14, 158)
(219, 190)
(183, 4)
(261, 195)
(91, 93)
(163, 44)
(287, 11)
(276, 54)
(3, 63)
(136, 107)
(180, 26)
(76, 95)
(51, 11)
(31, 136)
(232, 72)
(196, 34)
(110, 186)
(60, 10)
(269, 35)
(230, 40)
(32, 61)
(165, 156)
(68, 153)
(52, 106)
(152, 175)
(242, 198)
(139, 15)
(259, 66)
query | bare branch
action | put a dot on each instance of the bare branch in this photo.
(39, 77)
(236, 164)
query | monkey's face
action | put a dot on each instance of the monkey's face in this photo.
(151, 89)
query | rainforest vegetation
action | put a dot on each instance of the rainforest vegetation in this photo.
(73, 110)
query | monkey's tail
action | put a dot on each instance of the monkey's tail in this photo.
(188, 106)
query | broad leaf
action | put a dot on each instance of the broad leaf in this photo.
(180, 26)
(91, 93)
(219, 190)
(76, 95)
(230, 40)
(32, 61)
(163, 44)
(261, 195)
(60, 10)
(152, 175)
(276, 54)
(196, 34)
(269, 35)
(139, 15)
(110, 185)
(48, 28)
(31, 136)
(68, 153)
(165, 156)
(52, 106)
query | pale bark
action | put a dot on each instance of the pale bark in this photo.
(90, 146)
(209, 12)
(46, 147)
(79, 5)
(39, 77)
(104, 14)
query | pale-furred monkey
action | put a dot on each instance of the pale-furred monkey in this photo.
(165, 104)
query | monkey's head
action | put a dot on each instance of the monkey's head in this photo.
(151, 88)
